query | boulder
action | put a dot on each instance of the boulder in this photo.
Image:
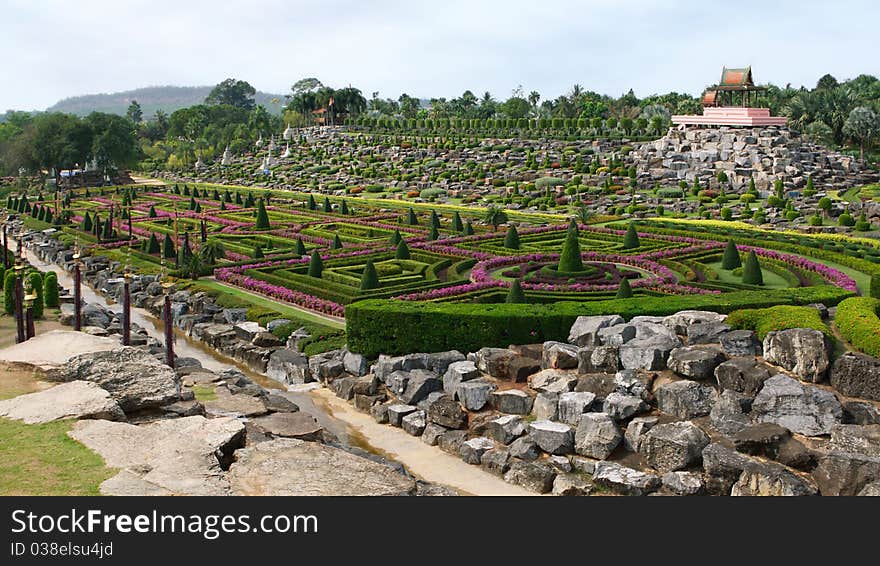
(856, 439)
(512, 401)
(431, 434)
(355, 364)
(632, 382)
(447, 412)
(857, 375)
(740, 343)
(803, 351)
(546, 406)
(520, 368)
(743, 375)
(524, 448)
(559, 355)
(649, 349)
(229, 404)
(730, 413)
(870, 490)
(552, 437)
(414, 423)
(288, 367)
(553, 381)
(397, 411)
(496, 461)
(762, 439)
(572, 405)
(134, 378)
(571, 485)
(845, 473)
(290, 425)
(451, 440)
(673, 446)
(459, 372)
(599, 384)
(495, 361)
(636, 430)
(770, 479)
(247, 330)
(597, 436)
(266, 339)
(695, 362)
(706, 332)
(585, 330)
(723, 467)
(617, 335)
(379, 412)
(472, 450)
(681, 321)
(420, 383)
(72, 400)
(685, 399)
(598, 358)
(533, 476)
(279, 404)
(621, 406)
(623, 480)
(683, 483)
(861, 413)
(505, 429)
(801, 408)
(474, 394)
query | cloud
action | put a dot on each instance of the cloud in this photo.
(58, 48)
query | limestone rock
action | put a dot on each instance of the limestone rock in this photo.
(414, 423)
(552, 381)
(621, 406)
(459, 372)
(571, 485)
(505, 429)
(801, 408)
(856, 439)
(572, 405)
(845, 473)
(72, 400)
(857, 375)
(512, 401)
(397, 411)
(743, 375)
(683, 483)
(552, 437)
(597, 436)
(636, 430)
(531, 475)
(730, 413)
(447, 412)
(585, 330)
(673, 446)
(291, 425)
(472, 450)
(740, 343)
(474, 394)
(524, 448)
(288, 367)
(623, 480)
(546, 406)
(803, 351)
(559, 355)
(695, 362)
(685, 399)
(495, 461)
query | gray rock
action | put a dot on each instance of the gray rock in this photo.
(546, 406)
(459, 372)
(770, 479)
(743, 375)
(559, 355)
(355, 364)
(857, 375)
(533, 476)
(803, 351)
(861, 413)
(414, 423)
(617, 335)
(552, 437)
(273, 324)
(553, 381)
(685, 399)
(583, 465)
(620, 406)
(451, 440)
(512, 401)
(571, 485)
(560, 463)
(681, 321)
(279, 404)
(431, 434)
(740, 343)
(706, 332)
(683, 483)
(673, 446)
(870, 490)
(695, 362)
(623, 480)
(801, 408)
(379, 412)
(585, 330)
(636, 430)
(844, 473)
(856, 439)
(495, 361)
(265, 339)
(524, 448)
(472, 450)
(397, 411)
(290, 425)
(723, 467)
(439, 362)
(649, 349)
(505, 429)
(474, 394)
(762, 439)
(598, 358)
(246, 330)
(73, 400)
(597, 436)
(495, 461)
(447, 412)
(288, 367)
(574, 404)
(730, 413)
(632, 382)
(420, 383)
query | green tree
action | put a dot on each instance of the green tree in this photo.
(262, 222)
(152, 212)
(300, 247)
(433, 233)
(863, 125)
(168, 248)
(511, 240)
(435, 220)
(87, 223)
(316, 265)
(312, 205)
(456, 222)
(50, 289)
(468, 229)
(862, 225)
(624, 291)
(258, 251)
(337, 243)
(824, 204)
(515, 294)
(369, 278)
(395, 238)
(731, 259)
(570, 259)
(402, 250)
(494, 216)
(344, 208)
(327, 206)
(108, 229)
(9, 292)
(153, 244)
(35, 285)
(631, 239)
(211, 251)
(232, 92)
(134, 112)
(751, 274)
(412, 219)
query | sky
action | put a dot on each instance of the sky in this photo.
(53, 49)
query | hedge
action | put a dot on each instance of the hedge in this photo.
(398, 327)
(857, 321)
(781, 317)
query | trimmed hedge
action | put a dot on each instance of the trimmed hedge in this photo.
(857, 320)
(780, 317)
(398, 327)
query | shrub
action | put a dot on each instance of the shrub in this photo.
(570, 258)
(9, 292)
(752, 270)
(511, 240)
(35, 282)
(369, 278)
(631, 239)
(776, 318)
(50, 289)
(316, 265)
(402, 250)
(731, 259)
(624, 291)
(862, 225)
(515, 293)
(858, 322)
(846, 219)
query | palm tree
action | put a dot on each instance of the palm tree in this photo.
(211, 251)
(583, 214)
(495, 216)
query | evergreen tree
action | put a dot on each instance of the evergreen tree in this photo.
(238, 200)
(192, 203)
(168, 249)
(435, 220)
(402, 250)
(312, 204)
(223, 205)
(327, 206)
(9, 292)
(153, 245)
(87, 223)
(570, 258)
(108, 229)
(624, 291)
(456, 222)
(316, 265)
(468, 229)
(395, 238)
(300, 247)
(731, 259)
(412, 220)
(152, 212)
(344, 208)
(337, 243)
(433, 234)
(631, 239)
(258, 251)
(198, 207)
(511, 240)
(249, 201)
(515, 293)
(369, 278)
(751, 273)
(48, 215)
(50, 289)
(262, 222)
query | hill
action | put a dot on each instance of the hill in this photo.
(151, 98)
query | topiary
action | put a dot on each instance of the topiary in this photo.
(515, 293)
(402, 250)
(50, 289)
(511, 240)
(35, 282)
(9, 292)
(731, 259)
(316, 265)
(300, 247)
(262, 222)
(631, 239)
(624, 291)
(752, 274)
(570, 258)
(369, 278)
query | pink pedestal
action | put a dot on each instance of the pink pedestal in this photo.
(731, 116)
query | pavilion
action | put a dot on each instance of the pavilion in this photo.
(729, 103)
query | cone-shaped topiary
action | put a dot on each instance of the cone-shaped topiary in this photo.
(411, 218)
(570, 258)
(433, 233)
(262, 222)
(624, 291)
(168, 251)
(153, 244)
(327, 206)
(337, 243)
(752, 270)
(468, 229)
(402, 250)
(316, 265)
(9, 292)
(108, 230)
(631, 239)
(369, 278)
(515, 293)
(456, 222)
(511, 240)
(300, 247)
(249, 201)
(312, 204)
(258, 252)
(731, 259)
(87, 223)
(395, 238)
(435, 220)
(344, 208)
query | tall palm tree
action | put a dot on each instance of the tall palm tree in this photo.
(495, 216)
(211, 251)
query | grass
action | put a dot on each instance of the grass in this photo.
(205, 392)
(771, 280)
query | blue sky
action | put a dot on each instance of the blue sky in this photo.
(57, 48)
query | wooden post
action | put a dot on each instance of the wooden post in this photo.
(29, 323)
(19, 305)
(126, 311)
(77, 295)
(169, 331)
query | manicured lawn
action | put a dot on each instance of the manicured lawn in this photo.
(771, 280)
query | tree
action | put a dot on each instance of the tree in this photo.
(433, 233)
(494, 216)
(862, 125)
(312, 205)
(862, 225)
(168, 250)
(395, 238)
(262, 222)
(152, 212)
(134, 112)
(113, 144)
(515, 294)
(232, 92)
(9, 292)
(412, 219)
(300, 247)
(316, 265)
(108, 229)
(258, 251)
(337, 243)
(570, 259)
(751, 274)
(50, 289)
(402, 250)
(456, 222)
(624, 291)
(35, 285)
(369, 278)
(211, 251)
(344, 208)
(825, 204)
(731, 259)
(435, 220)
(153, 244)
(468, 229)
(511, 240)
(631, 239)
(327, 206)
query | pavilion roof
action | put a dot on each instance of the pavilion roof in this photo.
(737, 79)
